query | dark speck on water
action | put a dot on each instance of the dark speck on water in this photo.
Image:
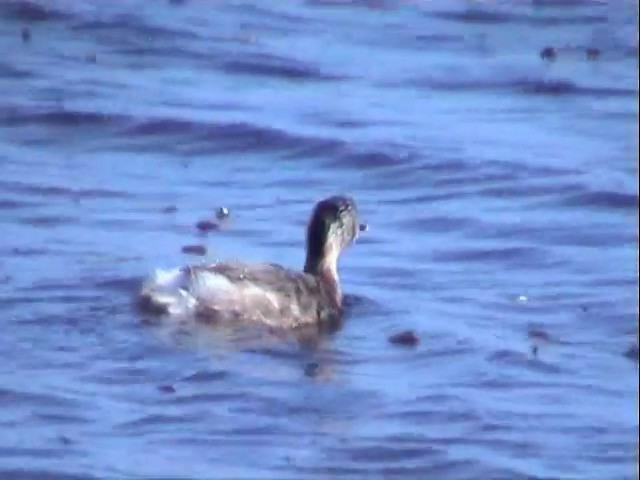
(206, 226)
(593, 53)
(167, 389)
(64, 440)
(170, 209)
(26, 34)
(194, 249)
(503, 192)
(548, 53)
(407, 338)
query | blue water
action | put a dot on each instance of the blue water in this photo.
(500, 190)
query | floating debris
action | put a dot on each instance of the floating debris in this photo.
(222, 213)
(407, 338)
(593, 53)
(25, 33)
(364, 227)
(194, 249)
(166, 389)
(207, 226)
(548, 53)
(170, 209)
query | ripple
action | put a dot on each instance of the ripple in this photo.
(206, 398)
(475, 15)
(38, 190)
(12, 397)
(490, 255)
(134, 25)
(48, 221)
(517, 358)
(382, 453)
(441, 469)
(162, 126)
(529, 190)
(117, 284)
(205, 376)
(62, 418)
(568, 3)
(435, 417)
(231, 137)
(565, 87)
(30, 11)
(603, 199)
(263, 12)
(28, 252)
(140, 425)
(13, 204)
(10, 71)
(532, 86)
(33, 473)
(61, 118)
(437, 39)
(370, 160)
(262, 64)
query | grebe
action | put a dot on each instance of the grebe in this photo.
(267, 293)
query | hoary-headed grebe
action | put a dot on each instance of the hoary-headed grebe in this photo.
(267, 293)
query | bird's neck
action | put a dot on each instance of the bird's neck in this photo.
(325, 268)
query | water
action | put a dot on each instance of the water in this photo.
(500, 191)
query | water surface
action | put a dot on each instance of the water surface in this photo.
(500, 190)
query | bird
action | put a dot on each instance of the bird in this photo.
(233, 291)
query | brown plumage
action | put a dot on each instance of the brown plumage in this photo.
(267, 293)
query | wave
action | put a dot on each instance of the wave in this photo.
(604, 199)
(9, 71)
(63, 192)
(499, 255)
(262, 64)
(203, 137)
(29, 473)
(29, 11)
(59, 116)
(133, 24)
(497, 17)
(233, 136)
(524, 85)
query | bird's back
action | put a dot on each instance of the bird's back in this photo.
(267, 293)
